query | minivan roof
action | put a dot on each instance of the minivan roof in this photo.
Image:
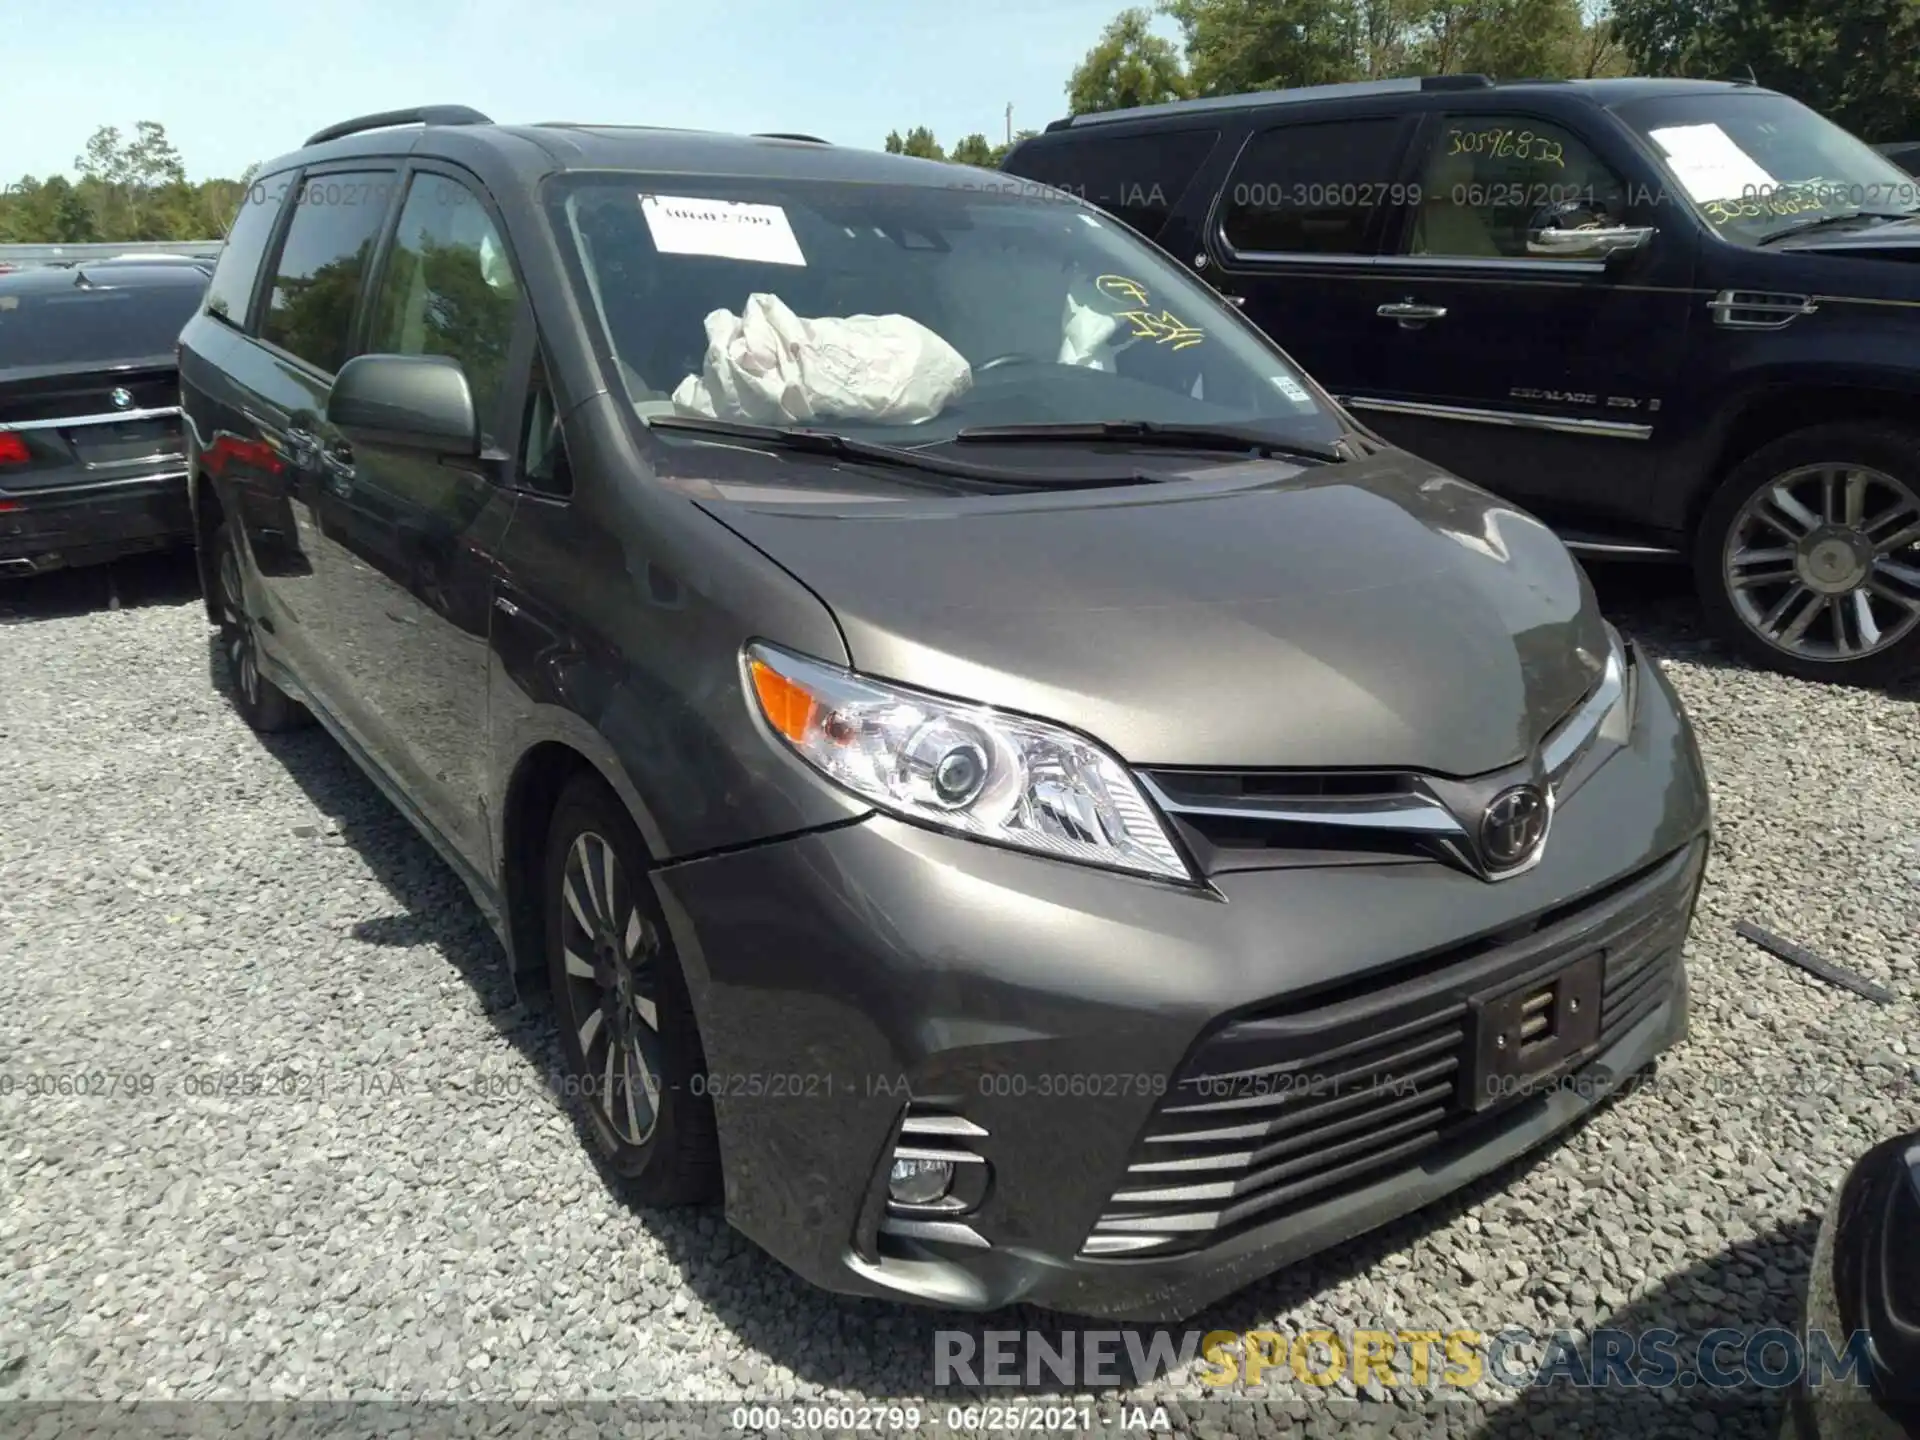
(1601, 92)
(535, 150)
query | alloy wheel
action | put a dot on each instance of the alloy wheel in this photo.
(611, 952)
(236, 628)
(1823, 562)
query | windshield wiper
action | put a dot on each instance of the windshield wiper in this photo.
(845, 447)
(1238, 439)
(1805, 226)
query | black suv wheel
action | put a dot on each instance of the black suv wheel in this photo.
(261, 703)
(1808, 557)
(627, 1029)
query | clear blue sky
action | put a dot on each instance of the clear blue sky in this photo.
(236, 81)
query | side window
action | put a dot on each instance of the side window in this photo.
(1312, 189)
(1490, 178)
(316, 284)
(1139, 178)
(544, 468)
(234, 273)
(447, 288)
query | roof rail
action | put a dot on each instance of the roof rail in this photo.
(420, 115)
(789, 135)
(1456, 82)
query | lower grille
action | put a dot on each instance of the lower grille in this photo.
(1287, 1108)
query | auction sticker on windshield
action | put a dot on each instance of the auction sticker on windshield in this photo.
(727, 229)
(1709, 165)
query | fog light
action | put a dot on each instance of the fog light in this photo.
(919, 1182)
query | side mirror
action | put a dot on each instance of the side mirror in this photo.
(1594, 244)
(422, 402)
(1578, 231)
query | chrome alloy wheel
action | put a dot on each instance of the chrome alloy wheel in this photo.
(1824, 562)
(610, 951)
(236, 628)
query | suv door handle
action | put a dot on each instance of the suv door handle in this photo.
(1411, 314)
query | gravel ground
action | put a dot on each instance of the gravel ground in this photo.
(403, 1213)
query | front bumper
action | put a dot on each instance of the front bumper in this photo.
(842, 975)
(85, 524)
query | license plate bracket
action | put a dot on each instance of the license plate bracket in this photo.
(1531, 1030)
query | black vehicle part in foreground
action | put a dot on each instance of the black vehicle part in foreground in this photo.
(92, 464)
(1096, 827)
(1866, 1278)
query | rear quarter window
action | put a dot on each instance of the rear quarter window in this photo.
(239, 265)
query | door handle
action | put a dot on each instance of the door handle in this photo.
(1411, 314)
(337, 461)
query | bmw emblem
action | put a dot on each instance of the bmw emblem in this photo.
(122, 398)
(1514, 827)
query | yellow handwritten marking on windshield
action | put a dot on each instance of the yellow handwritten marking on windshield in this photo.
(1161, 329)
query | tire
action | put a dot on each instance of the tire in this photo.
(261, 703)
(637, 1087)
(1859, 485)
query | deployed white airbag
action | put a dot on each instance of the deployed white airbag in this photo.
(1086, 337)
(769, 366)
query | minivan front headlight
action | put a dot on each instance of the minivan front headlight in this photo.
(966, 768)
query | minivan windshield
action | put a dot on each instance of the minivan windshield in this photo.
(1757, 165)
(905, 314)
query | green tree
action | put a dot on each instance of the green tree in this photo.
(137, 188)
(918, 141)
(1857, 61)
(1235, 46)
(1518, 39)
(973, 150)
(49, 212)
(1129, 65)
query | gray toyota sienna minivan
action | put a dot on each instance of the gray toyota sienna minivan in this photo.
(1000, 776)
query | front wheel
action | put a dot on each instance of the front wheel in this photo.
(1808, 557)
(627, 1032)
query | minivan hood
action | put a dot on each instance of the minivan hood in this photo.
(1378, 613)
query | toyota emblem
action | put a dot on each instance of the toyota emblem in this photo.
(121, 398)
(1514, 827)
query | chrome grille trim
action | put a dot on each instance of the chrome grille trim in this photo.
(1405, 802)
(1569, 740)
(1408, 814)
(940, 1125)
(111, 417)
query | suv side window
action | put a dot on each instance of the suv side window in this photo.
(1137, 178)
(448, 288)
(230, 292)
(1488, 178)
(1312, 188)
(322, 265)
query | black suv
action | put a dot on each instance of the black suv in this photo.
(1677, 319)
(1043, 805)
(92, 465)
